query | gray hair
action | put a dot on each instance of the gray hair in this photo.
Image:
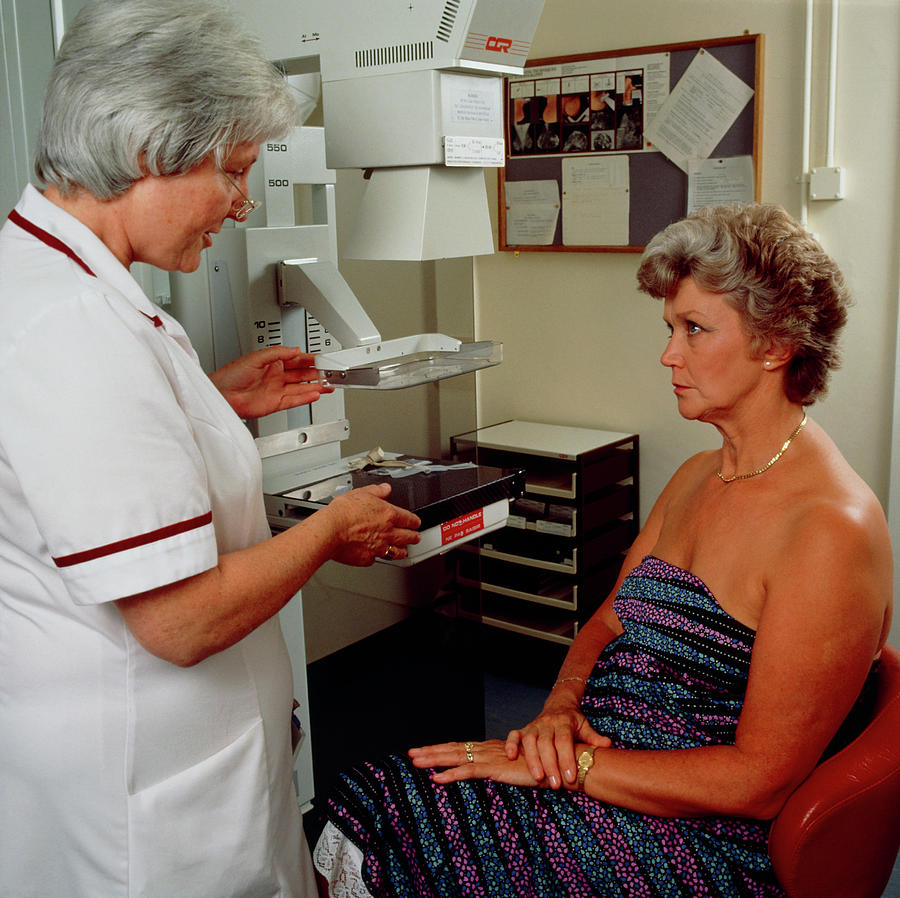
(769, 268)
(154, 86)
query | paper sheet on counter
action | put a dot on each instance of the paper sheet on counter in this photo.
(699, 111)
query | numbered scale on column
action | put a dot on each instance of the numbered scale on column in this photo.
(279, 188)
(317, 338)
(268, 333)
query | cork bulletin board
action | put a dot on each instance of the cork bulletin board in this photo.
(580, 134)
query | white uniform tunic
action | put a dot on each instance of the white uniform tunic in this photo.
(122, 468)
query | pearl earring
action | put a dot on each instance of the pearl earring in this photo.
(767, 364)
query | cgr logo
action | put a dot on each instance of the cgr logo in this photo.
(498, 44)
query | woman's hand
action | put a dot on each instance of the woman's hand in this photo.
(489, 761)
(367, 527)
(269, 380)
(548, 743)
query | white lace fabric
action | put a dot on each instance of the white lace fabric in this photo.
(340, 862)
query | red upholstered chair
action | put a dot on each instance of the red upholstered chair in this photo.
(839, 832)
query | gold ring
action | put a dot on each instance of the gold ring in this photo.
(391, 553)
(470, 753)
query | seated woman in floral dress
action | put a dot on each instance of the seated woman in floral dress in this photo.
(730, 656)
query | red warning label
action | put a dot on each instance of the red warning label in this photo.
(461, 527)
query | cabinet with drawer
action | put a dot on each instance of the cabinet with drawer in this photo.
(545, 573)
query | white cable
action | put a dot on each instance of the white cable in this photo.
(807, 105)
(832, 84)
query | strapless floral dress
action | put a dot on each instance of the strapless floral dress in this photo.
(674, 679)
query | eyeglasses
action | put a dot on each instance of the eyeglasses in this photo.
(242, 213)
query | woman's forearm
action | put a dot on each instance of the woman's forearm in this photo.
(187, 621)
(693, 782)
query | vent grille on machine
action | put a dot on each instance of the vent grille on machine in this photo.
(448, 20)
(366, 59)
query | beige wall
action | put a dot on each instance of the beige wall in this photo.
(581, 345)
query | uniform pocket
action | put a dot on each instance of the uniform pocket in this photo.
(204, 831)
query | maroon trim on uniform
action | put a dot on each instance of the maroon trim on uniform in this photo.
(132, 542)
(145, 538)
(49, 239)
(57, 244)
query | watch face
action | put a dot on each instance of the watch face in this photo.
(585, 762)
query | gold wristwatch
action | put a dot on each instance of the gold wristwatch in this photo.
(585, 762)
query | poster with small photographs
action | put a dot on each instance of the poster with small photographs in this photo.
(600, 112)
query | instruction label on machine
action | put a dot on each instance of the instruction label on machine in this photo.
(461, 527)
(484, 152)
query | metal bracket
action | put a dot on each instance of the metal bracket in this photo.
(302, 438)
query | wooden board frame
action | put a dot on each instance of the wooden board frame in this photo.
(669, 182)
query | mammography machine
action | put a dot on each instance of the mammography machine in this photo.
(412, 95)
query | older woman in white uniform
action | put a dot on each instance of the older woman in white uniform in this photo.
(145, 689)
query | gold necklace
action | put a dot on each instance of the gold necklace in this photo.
(771, 461)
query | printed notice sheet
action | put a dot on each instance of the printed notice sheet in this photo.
(699, 111)
(532, 210)
(718, 182)
(595, 201)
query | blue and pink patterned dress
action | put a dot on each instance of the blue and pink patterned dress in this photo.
(674, 679)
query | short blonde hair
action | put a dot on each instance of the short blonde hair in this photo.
(763, 262)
